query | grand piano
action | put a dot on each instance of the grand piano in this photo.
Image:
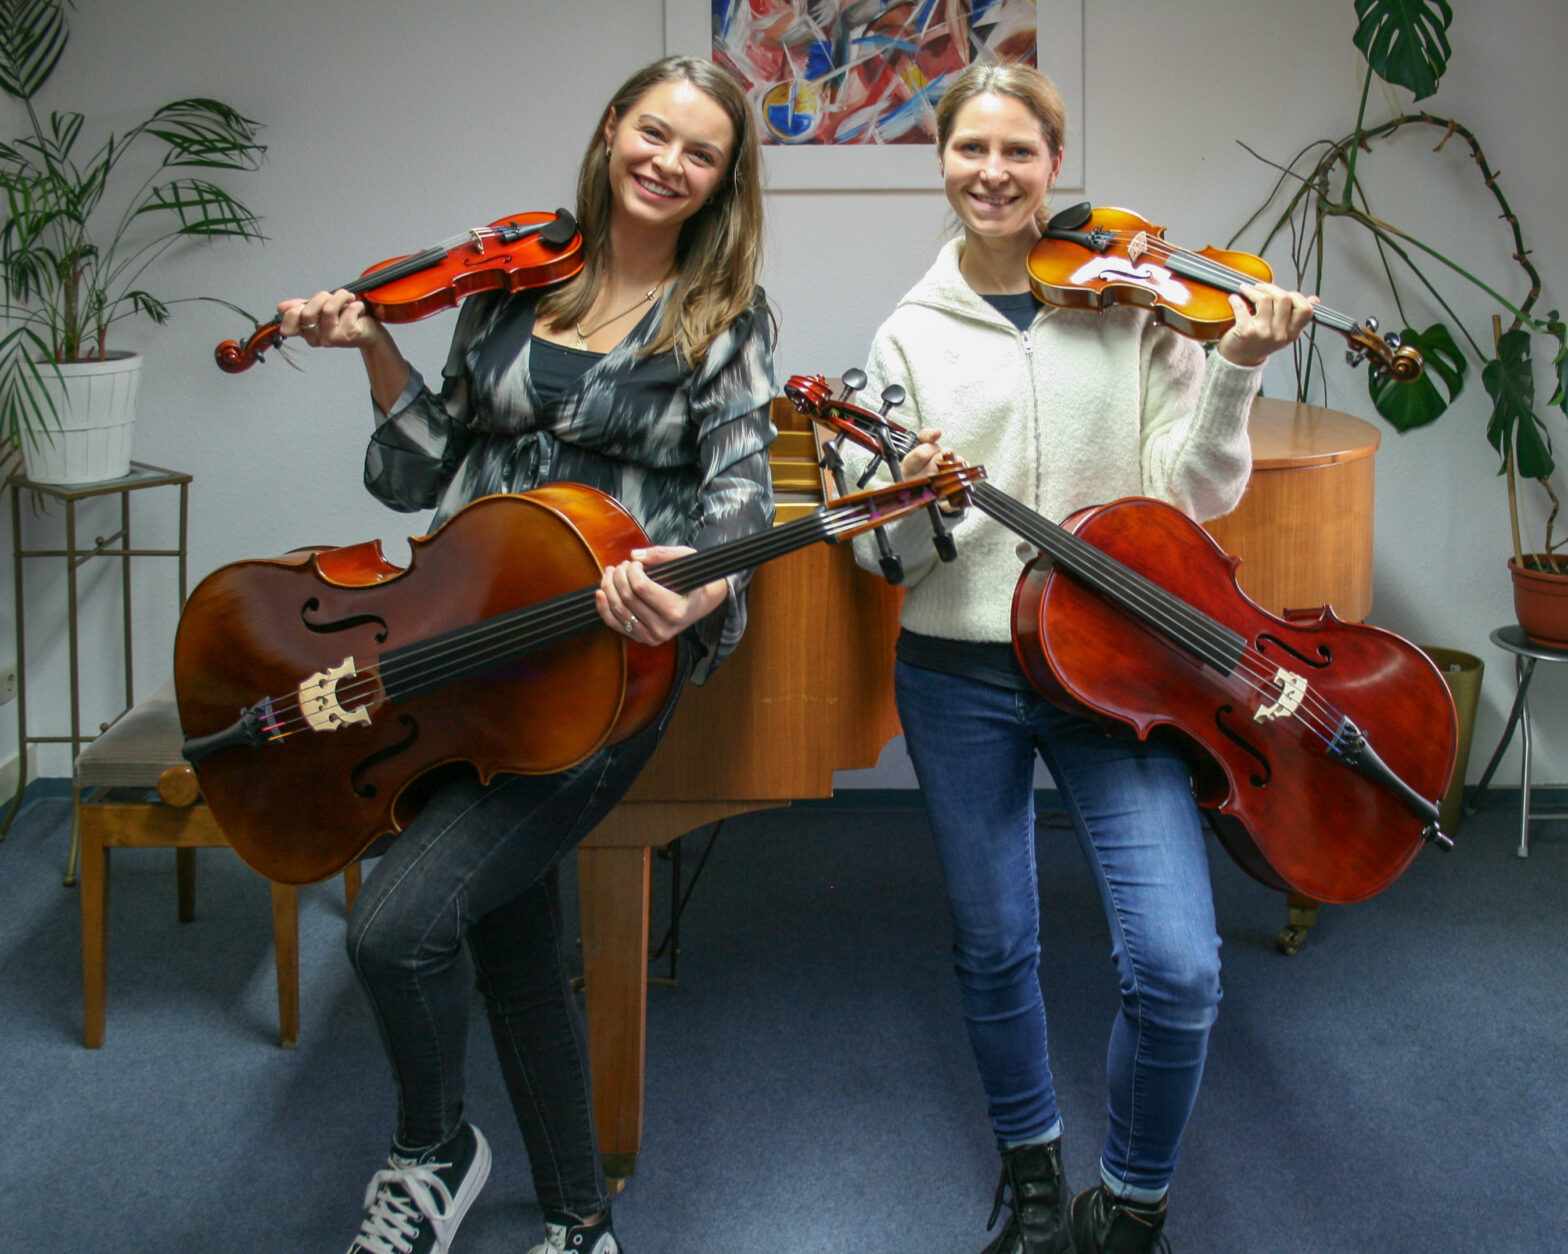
(808, 692)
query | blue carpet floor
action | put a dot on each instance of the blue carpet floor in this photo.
(1398, 1085)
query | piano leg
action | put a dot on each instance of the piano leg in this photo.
(613, 885)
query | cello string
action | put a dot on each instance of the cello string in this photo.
(569, 614)
(1164, 612)
(1167, 610)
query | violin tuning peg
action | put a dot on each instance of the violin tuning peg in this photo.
(1371, 324)
(1353, 359)
(892, 395)
(854, 380)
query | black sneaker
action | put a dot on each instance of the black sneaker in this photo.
(566, 1234)
(1103, 1223)
(413, 1205)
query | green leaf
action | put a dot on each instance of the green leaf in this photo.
(1510, 383)
(1406, 406)
(1404, 41)
(202, 132)
(1555, 327)
(33, 34)
(202, 209)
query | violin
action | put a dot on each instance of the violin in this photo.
(1321, 749)
(522, 251)
(1088, 258)
(353, 679)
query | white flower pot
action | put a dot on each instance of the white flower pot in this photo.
(96, 409)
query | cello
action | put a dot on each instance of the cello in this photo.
(522, 251)
(353, 679)
(1319, 748)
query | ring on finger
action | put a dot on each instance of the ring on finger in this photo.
(308, 326)
(630, 625)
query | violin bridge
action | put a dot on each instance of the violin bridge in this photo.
(318, 699)
(1292, 688)
(1138, 246)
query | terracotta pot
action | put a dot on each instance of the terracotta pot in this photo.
(1541, 605)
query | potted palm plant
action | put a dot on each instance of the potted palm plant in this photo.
(82, 228)
(1405, 43)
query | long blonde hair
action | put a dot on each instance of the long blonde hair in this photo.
(719, 253)
(1006, 78)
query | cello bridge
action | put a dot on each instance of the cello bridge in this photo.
(318, 699)
(1292, 688)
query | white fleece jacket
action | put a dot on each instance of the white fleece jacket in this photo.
(1082, 409)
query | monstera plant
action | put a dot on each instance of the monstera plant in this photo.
(83, 225)
(1405, 43)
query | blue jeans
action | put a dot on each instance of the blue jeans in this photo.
(480, 864)
(1130, 802)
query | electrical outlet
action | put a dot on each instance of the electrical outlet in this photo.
(7, 682)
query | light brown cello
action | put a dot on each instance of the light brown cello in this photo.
(319, 690)
(1320, 748)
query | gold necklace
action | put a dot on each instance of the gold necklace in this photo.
(582, 336)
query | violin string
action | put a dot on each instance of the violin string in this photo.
(520, 632)
(1225, 277)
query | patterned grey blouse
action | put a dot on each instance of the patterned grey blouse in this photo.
(684, 450)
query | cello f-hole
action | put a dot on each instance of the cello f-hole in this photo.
(1259, 778)
(357, 779)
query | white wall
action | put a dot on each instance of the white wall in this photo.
(394, 124)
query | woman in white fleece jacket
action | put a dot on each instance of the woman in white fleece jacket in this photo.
(1064, 409)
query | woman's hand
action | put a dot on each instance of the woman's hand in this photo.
(1267, 319)
(331, 320)
(922, 459)
(633, 604)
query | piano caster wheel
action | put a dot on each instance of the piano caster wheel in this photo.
(1303, 913)
(618, 1169)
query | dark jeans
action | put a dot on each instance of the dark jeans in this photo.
(973, 746)
(480, 864)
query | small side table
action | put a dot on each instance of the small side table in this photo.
(75, 554)
(1526, 654)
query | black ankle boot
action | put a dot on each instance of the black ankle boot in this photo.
(1103, 1223)
(1037, 1194)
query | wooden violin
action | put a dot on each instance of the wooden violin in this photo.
(522, 251)
(352, 678)
(1089, 258)
(1320, 748)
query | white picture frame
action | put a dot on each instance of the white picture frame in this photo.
(688, 30)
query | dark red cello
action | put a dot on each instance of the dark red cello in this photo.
(522, 251)
(320, 688)
(1320, 747)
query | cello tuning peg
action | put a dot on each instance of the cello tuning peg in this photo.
(854, 380)
(892, 395)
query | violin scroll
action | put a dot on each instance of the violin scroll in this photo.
(1388, 355)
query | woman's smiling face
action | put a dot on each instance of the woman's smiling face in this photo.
(667, 154)
(997, 165)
